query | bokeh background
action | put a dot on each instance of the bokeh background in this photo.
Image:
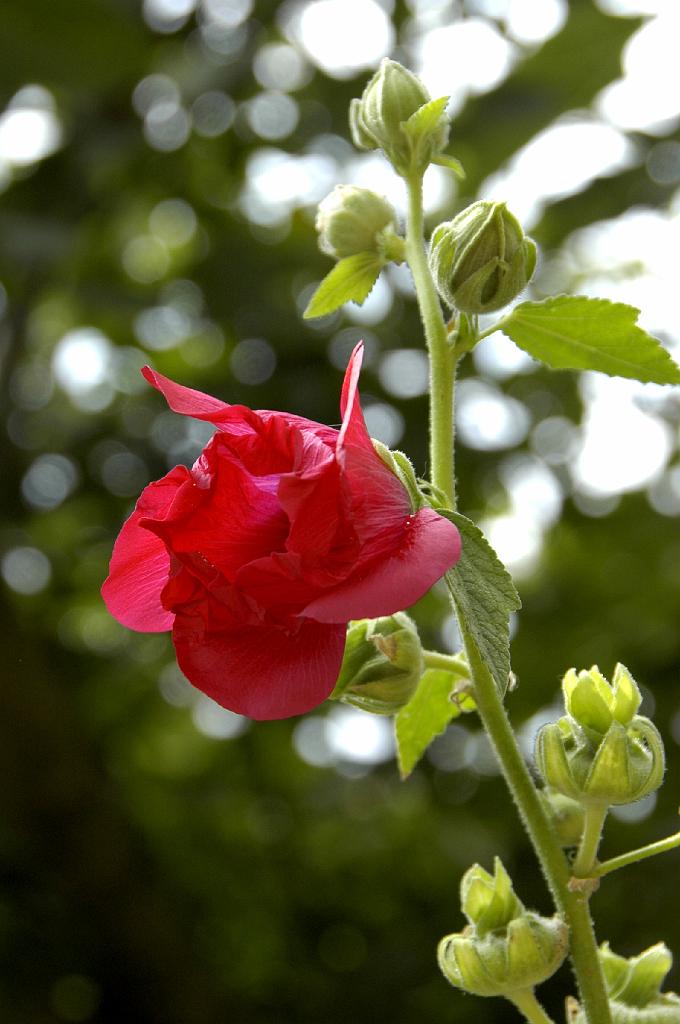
(162, 860)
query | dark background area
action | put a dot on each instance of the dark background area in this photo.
(161, 862)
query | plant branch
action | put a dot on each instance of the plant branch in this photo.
(449, 662)
(651, 850)
(498, 326)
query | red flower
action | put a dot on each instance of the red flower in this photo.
(258, 556)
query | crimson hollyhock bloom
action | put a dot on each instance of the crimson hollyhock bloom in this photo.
(258, 556)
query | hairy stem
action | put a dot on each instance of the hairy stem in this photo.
(584, 865)
(572, 905)
(527, 1003)
(442, 358)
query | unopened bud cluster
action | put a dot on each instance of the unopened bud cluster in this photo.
(481, 260)
(505, 948)
(602, 751)
(382, 665)
(634, 988)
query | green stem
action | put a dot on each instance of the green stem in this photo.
(572, 905)
(670, 843)
(450, 662)
(584, 865)
(442, 358)
(527, 1003)
(498, 326)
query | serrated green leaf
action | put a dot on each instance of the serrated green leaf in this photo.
(427, 714)
(574, 332)
(350, 280)
(485, 595)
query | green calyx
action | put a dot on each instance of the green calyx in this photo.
(382, 665)
(602, 752)
(395, 114)
(353, 220)
(481, 260)
(634, 988)
(505, 947)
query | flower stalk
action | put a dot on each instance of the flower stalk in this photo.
(572, 905)
(442, 355)
(633, 856)
(586, 858)
(527, 1004)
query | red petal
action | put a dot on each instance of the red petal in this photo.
(430, 545)
(261, 671)
(189, 402)
(378, 503)
(140, 564)
(310, 498)
(353, 430)
(233, 518)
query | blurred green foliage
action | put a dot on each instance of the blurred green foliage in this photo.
(159, 863)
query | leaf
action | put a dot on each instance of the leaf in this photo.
(350, 280)
(484, 595)
(427, 715)
(573, 332)
(444, 160)
(427, 131)
(426, 119)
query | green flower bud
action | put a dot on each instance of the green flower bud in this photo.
(352, 220)
(602, 752)
(382, 665)
(481, 259)
(594, 704)
(505, 948)
(634, 988)
(528, 952)
(566, 816)
(488, 901)
(377, 120)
